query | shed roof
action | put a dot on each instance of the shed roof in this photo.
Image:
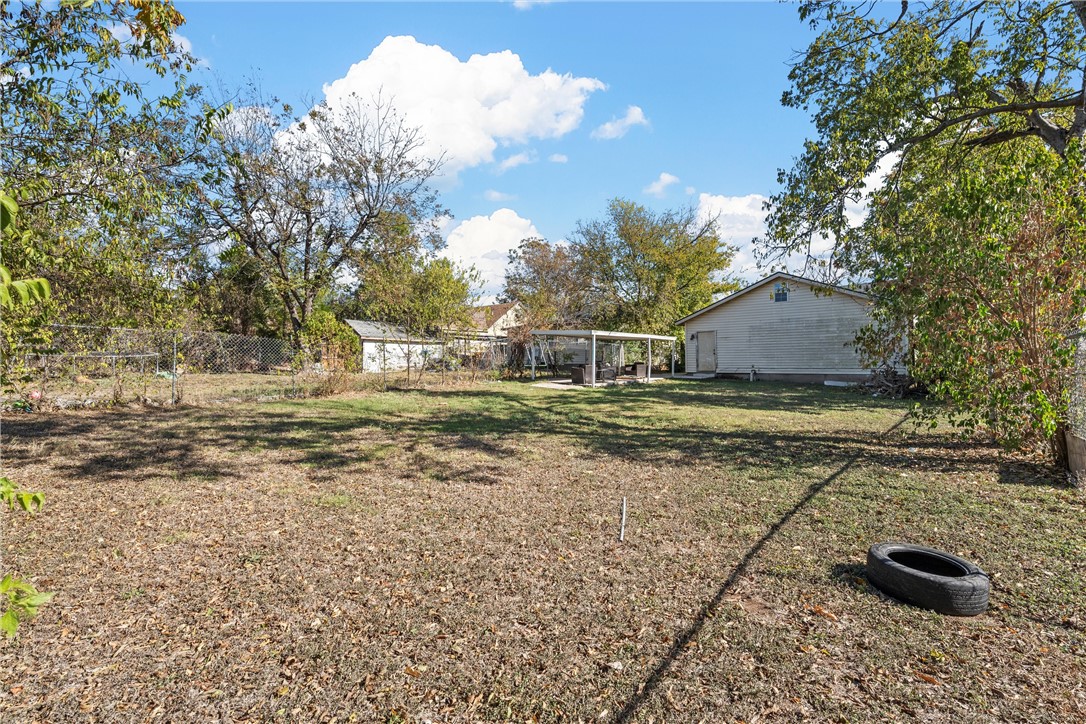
(771, 278)
(372, 331)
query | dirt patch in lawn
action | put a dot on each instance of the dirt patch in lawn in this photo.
(453, 556)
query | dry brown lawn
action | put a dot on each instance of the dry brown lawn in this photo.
(452, 556)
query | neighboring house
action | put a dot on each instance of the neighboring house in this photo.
(783, 327)
(387, 347)
(487, 333)
(494, 321)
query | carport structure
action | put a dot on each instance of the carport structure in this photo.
(595, 336)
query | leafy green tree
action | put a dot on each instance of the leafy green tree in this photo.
(231, 293)
(22, 302)
(445, 296)
(312, 197)
(19, 600)
(957, 77)
(336, 343)
(546, 280)
(984, 272)
(973, 244)
(643, 270)
(97, 161)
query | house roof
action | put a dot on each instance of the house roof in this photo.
(772, 278)
(372, 331)
(483, 318)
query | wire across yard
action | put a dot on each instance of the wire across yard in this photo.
(453, 555)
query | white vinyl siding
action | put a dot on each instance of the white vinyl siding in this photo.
(384, 356)
(810, 334)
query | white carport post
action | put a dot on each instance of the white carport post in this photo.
(592, 366)
(648, 366)
(531, 354)
(673, 358)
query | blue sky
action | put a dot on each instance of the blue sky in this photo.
(545, 110)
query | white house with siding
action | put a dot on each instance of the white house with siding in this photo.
(783, 327)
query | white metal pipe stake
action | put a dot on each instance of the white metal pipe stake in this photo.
(622, 525)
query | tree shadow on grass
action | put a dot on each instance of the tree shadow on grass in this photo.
(115, 444)
(492, 425)
(758, 396)
(1029, 473)
(644, 691)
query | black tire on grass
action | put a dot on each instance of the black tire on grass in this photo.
(928, 578)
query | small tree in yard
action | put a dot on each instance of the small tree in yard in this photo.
(644, 270)
(429, 297)
(336, 343)
(547, 281)
(446, 294)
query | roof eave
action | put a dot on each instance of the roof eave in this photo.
(761, 282)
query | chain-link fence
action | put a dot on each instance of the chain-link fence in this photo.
(84, 366)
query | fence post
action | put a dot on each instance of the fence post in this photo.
(1075, 434)
(44, 379)
(173, 373)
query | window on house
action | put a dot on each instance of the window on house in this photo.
(780, 292)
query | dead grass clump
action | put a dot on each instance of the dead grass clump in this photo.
(332, 382)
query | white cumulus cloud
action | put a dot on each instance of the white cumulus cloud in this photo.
(485, 242)
(617, 127)
(181, 42)
(517, 159)
(492, 195)
(558, 158)
(466, 108)
(658, 188)
(739, 220)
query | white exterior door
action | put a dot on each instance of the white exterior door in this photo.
(706, 351)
